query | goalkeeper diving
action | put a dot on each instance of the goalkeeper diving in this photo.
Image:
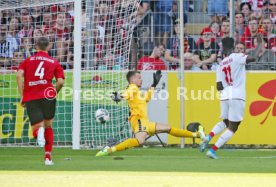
(140, 124)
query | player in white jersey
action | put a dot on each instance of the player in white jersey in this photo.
(231, 78)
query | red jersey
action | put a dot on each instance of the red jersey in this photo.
(148, 63)
(39, 70)
(272, 42)
(248, 40)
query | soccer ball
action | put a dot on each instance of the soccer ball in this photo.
(102, 115)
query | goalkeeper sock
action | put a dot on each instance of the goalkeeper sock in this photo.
(182, 133)
(35, 133)
(128, 143)
(223, 139)
(49, 137)
(218, 128)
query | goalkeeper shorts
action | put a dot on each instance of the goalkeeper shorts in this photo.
(143, 125)
(40, 110)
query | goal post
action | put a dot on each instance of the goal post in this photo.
(77, 79)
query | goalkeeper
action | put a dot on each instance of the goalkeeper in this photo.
(140, 124)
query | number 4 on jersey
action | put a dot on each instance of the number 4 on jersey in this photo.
(40, 70)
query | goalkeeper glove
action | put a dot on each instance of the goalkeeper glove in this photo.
(156, 78)
(116, 97)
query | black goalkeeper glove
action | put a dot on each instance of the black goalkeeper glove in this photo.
(116, 97)
(156, 78)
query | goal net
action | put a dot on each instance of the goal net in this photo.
(103, 71)
(106, 31)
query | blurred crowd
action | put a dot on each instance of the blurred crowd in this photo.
(155, 43)
(203, 48)
(20, 29)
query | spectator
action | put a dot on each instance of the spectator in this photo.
(189, 63)
(46, 8)
(258, 13)
(18, 57)
(36, 13)
(245, 8)
(268, 28)
(206, 52)
(163, 20)
(248, 37)
(239, 47)
(27, 47)
(172, 53)
(272, 7)
(8, 43)
(225, 28)
(239, 23)
(36, 34)
(265, 60)
(47, 22)
(266, 10)
(142, 32)
(255, 4)
(14, 28)
(143, 22)
(216, 30)
(62, 8)
(4, 50)
(27, 27)
(154, 61)
(52, 48)
(225, 32)
(62, 36)
(60, 27)
(217, 8)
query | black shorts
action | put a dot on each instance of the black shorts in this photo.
(40, 110)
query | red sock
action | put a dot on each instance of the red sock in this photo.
(211, 134)
(214, 147)
(35, 133)
(49, 137)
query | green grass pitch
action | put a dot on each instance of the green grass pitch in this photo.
(156, 162)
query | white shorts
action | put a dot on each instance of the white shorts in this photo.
(232, 109)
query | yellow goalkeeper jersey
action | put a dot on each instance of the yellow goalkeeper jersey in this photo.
(137, 101)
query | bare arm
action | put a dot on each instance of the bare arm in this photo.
(19, 80)
(59, 84)
(210, 60)
(252, 58)
(169, 58)
(202, 62)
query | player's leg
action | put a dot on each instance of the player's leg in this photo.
(219, 127)
(164, 128)
(49, 107)
(127, 144)
(139, 128)
(236, 113)
(37, 121)
(139, 139)
(49, 137)
(224, 137)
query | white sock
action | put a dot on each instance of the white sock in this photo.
(219, 127)
(224, 138)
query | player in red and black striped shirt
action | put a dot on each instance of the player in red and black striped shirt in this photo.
(38, 93)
